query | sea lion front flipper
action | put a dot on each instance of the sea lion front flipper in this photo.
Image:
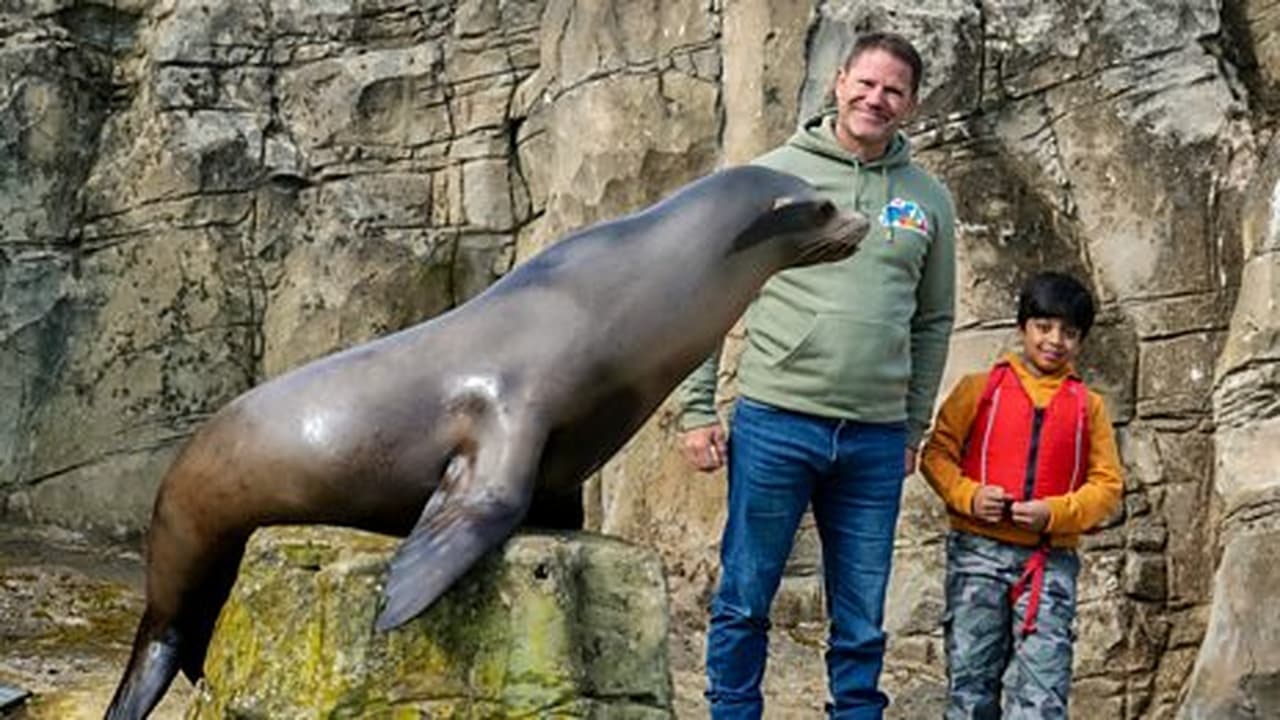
(482, 498)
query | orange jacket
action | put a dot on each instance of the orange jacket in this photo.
(1069, 515)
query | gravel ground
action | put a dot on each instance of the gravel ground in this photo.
(68, 608)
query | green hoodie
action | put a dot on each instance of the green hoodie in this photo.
(863, 338)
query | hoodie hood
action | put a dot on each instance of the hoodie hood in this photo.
(870, 184)
(817, 135)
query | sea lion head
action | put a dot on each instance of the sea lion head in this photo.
(805, 227)
(818, 230)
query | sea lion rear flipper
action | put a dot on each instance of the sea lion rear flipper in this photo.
(480, 501)
(152, 666)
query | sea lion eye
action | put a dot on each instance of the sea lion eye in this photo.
(826, 210)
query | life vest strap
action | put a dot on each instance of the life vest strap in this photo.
(1032, 580)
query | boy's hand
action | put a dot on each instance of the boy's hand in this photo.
(989, 502)
(1032, 515)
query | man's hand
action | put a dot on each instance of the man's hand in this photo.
(912, 457)
(705, 447)
(1032, 515)
(989, 502)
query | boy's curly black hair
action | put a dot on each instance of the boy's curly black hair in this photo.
(1056, 295)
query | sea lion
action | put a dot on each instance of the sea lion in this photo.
(452, 430)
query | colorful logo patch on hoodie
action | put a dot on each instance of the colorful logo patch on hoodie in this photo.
(904, 215)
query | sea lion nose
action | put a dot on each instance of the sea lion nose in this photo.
(856, 226)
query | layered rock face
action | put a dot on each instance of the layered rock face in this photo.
(196, 195)
(1237, 674)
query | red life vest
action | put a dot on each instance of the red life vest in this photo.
(1031, 452)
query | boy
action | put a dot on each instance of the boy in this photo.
(1024, 457)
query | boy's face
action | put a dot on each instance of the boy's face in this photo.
(1049, 344)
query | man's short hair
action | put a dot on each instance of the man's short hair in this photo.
(895, 45)
(1056, 295)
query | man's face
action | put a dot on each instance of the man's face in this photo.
(874, 98)
(1049, 344)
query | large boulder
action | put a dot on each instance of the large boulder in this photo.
(554, 625)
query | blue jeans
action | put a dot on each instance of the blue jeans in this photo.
(779, 462)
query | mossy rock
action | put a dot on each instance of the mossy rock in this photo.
(553, 625)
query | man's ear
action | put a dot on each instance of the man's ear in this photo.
(911, 111)
(834, 94)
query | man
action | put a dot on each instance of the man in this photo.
(837, 386)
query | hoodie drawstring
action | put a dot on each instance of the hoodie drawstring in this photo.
(888, 192)
(857, 189)
(886, 182)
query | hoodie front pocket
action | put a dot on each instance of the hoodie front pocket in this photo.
(776, 329)
(847, 354)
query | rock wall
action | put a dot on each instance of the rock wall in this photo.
(1237, 674)
(196, 195)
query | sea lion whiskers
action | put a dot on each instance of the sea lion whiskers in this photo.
(836, 239)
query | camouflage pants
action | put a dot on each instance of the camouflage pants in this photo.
(990, 661)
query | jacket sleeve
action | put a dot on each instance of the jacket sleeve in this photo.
(931, 324)
(696, 395)
(1103, 487)
(941, 459)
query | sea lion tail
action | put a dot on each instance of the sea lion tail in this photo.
(152, 665)
(470, 513)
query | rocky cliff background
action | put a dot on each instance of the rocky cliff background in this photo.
(196, 195)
